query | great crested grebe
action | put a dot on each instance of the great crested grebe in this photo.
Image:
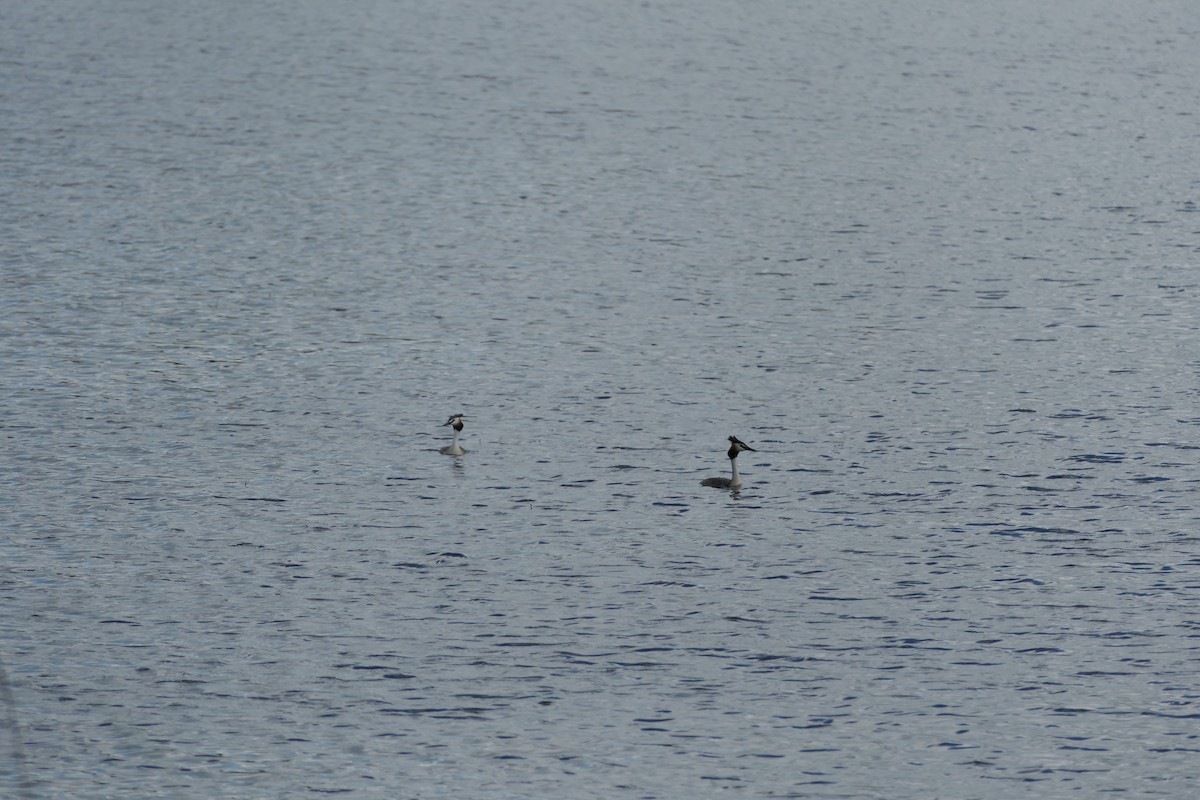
(453, 449)
(736, 446)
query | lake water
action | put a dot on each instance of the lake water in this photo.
(935, 261)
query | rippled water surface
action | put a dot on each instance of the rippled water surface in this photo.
(935, 262)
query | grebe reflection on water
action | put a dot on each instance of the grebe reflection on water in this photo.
(454, 448)
(736, 446)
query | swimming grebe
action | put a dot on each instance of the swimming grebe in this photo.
(453, 449)
(736, 446)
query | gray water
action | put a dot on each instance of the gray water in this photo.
(935, 261)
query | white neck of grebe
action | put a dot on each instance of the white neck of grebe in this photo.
(736, 480)
(453, 449)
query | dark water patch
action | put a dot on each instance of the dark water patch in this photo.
(452, 713)
(652, 665)
(251, 499)
(1047, 530)
(776, 657)
(1075, 413)
(362, 666)
(1098, 458)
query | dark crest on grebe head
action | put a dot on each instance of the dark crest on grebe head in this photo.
(455, 420)
(736, 446)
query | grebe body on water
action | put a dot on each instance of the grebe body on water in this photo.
(736, 446)
(454, 448)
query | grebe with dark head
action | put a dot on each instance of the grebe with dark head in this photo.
(736, 446)
(454, 448)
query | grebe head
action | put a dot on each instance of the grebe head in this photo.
(455, 421)
(736, 446)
